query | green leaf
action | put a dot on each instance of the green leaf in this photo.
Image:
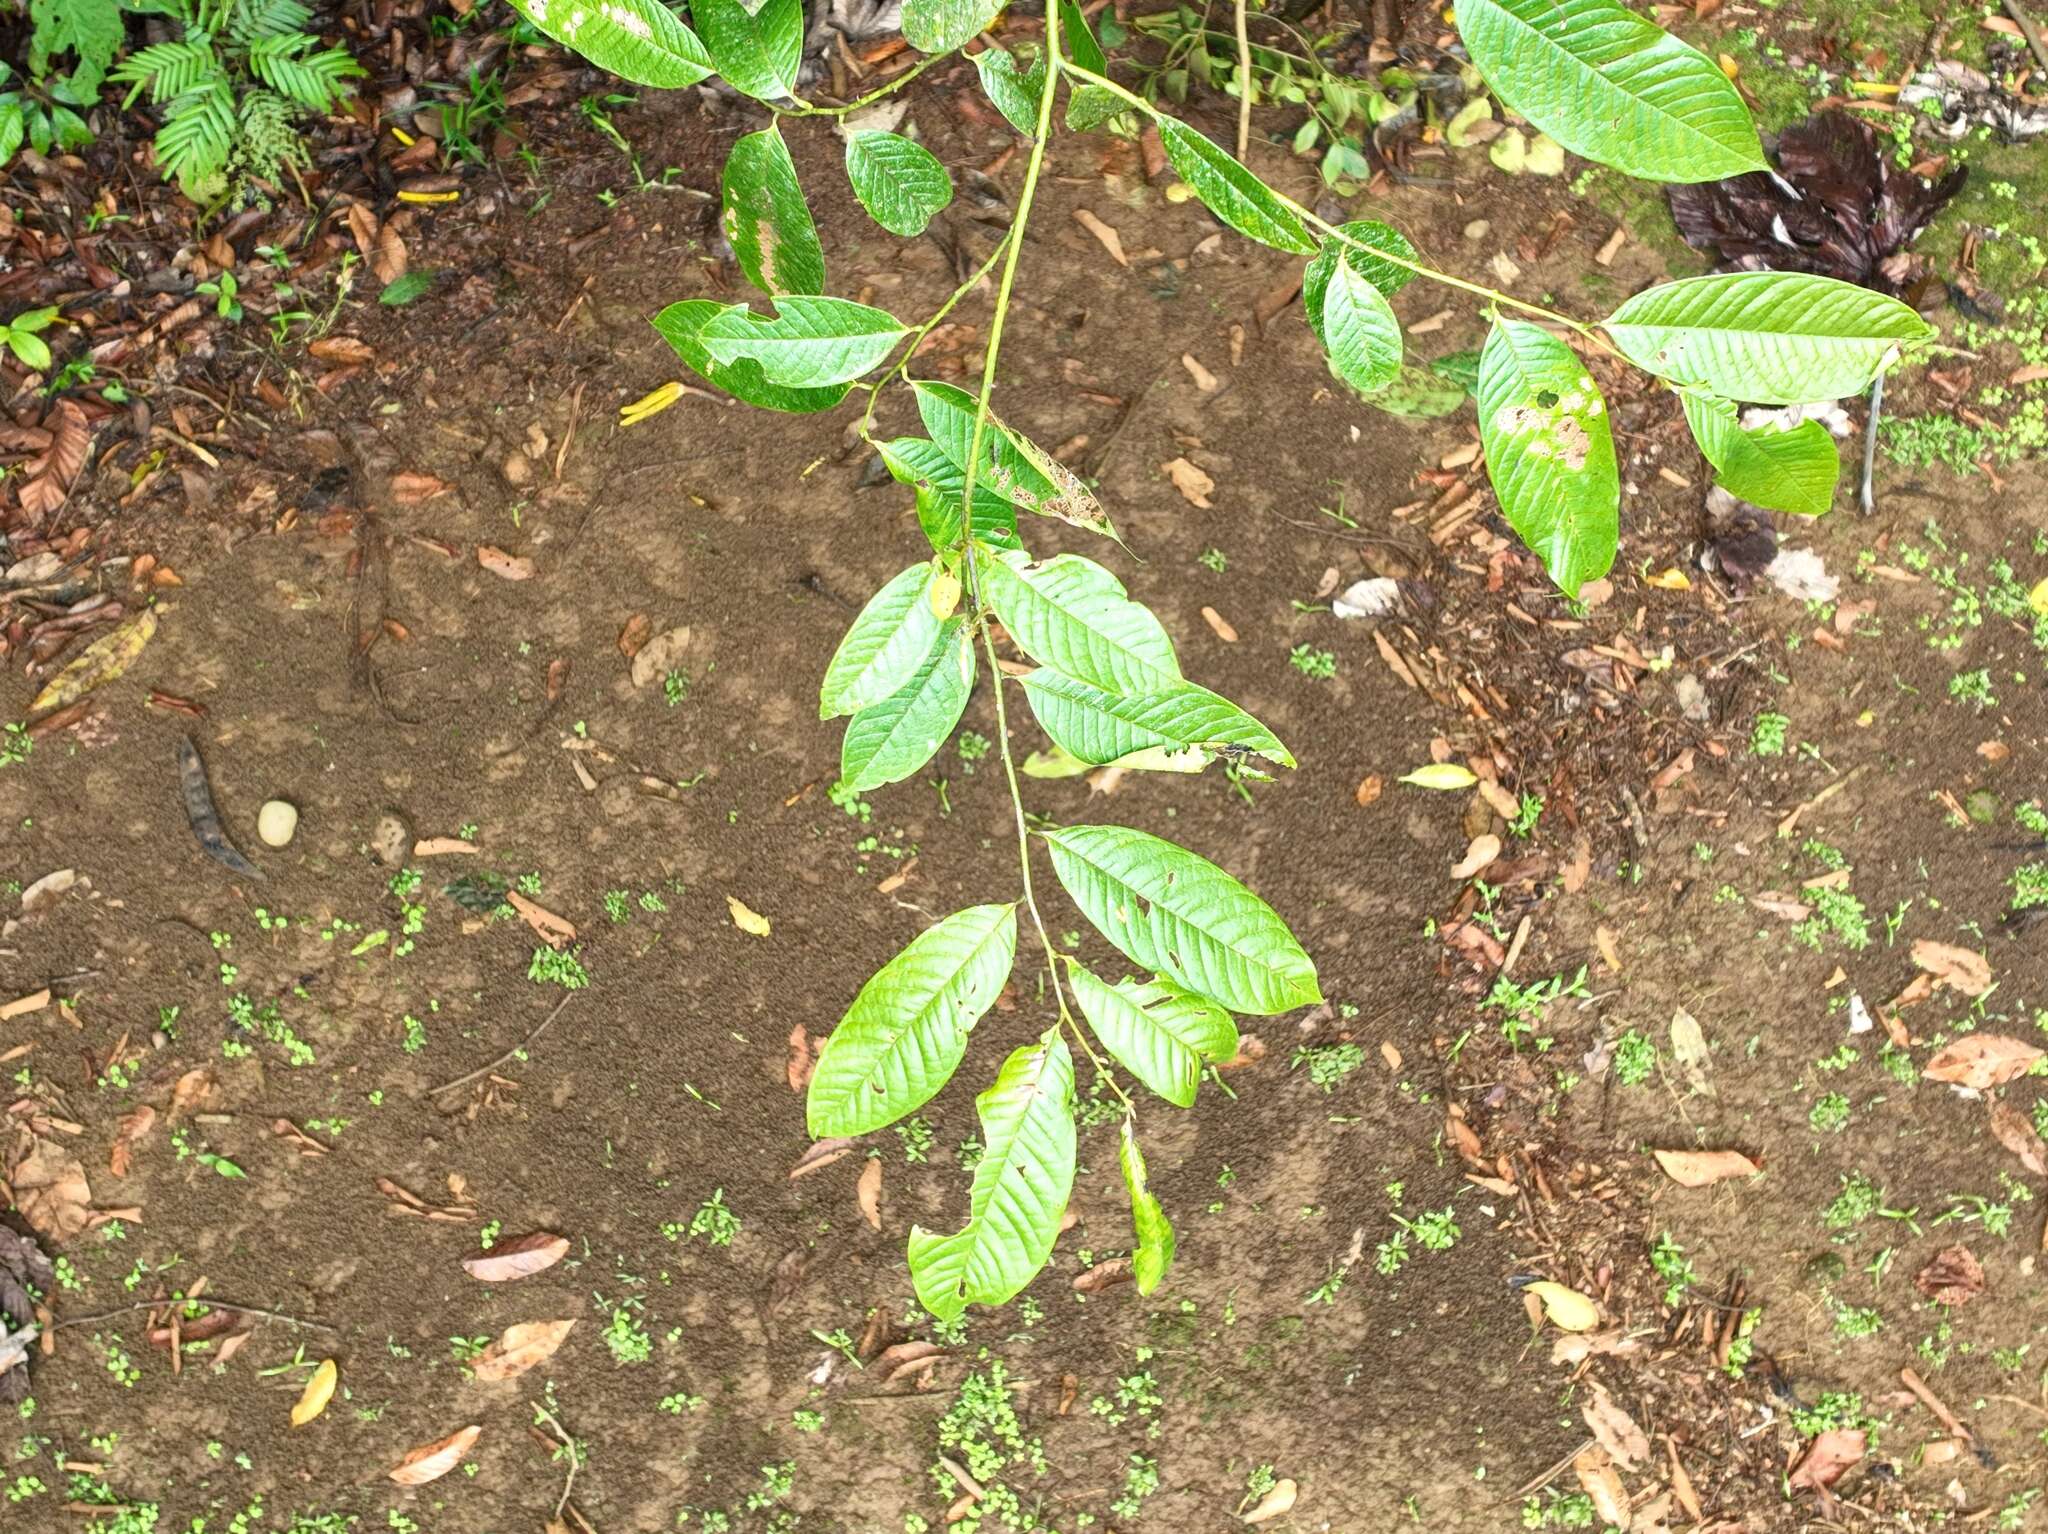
(767, 221)
(758, 52)
(1793, 471)
(1151, 1231)
(1014, 91)
(1612, 86)
(637, 40)
(1770, 338)
(1090, 106)
(1020, 1190)
(1071, 614)
(901, 184)
(92, 29)
(682, 324)
(408, 287)
(1384, 275)
(1359, 328)
(1012, 465)
(940, 26)
(883, 649)
(889, 741)
(1171, 911)
(1178, 728)
(1161, 1034)
(1231, 192)
(923, 465)
(811, 343)
(1549, 451)
(1081, 47)
(33, 351)
(903, 1037)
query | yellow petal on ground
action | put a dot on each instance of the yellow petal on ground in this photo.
(2038, 599)
(746, 918)
(1673, 579)
(650, 404)
(318, 1392)
(1567, 1309)
(101, 661)
(1441, 775)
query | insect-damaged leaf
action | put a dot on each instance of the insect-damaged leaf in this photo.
(1012, 465)
(1020, 1187)
(767, 221)
(1792, 471)
(906, 1031)
(520, 1257)
(1159, 1032)
(1152, 1232)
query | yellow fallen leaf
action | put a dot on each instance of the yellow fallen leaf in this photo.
(318, 1392)
(650, 404)
(746, 918)
(1568, 1310)
(2038, 599)
(1673, 579)
(101, 661)
(1443, 775)
(1728, 65)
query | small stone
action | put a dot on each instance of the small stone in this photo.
(1478, 229)
(276, 823)
(392, 840)
(517, 469)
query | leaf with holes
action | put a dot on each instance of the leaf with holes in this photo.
(1171, 911)
(637, 40)
(766, 219)
(1012, 465)
(890, 740)
(1377, 270)
(1612, 86)
(810, 343)
(1180, 728)
(1549, 451)
(757, 51)
(1072, 614)
(881, 652)
(1013, 88)
(1770, 338)
(1151, 1230)
(1231, 192)
(1359, 328)
(682, 325)
(923, 465)
(900, 183)
(1792, 471)
(903, 1037)
(1161, 1034)
(1020, 1191)
(940, 26)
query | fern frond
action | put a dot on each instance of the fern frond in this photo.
(269, 138)
(169, 70)
(198, 134)
(252, 20)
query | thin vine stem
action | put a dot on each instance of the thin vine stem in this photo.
(811, 109)
(917, 336)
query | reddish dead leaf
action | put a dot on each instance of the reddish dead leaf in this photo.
(801, 1061)
(2011, 1129)
(409, 489)
(1463, 1139)
(821, 1155)
(1369, 789)
(905, 1360)
(431, 1461)
(510, 567)
(1193, 484)
(553, 930)
(1602, 1482)
(1784, 907)
(634, 636)
(1982, 1061)
(868, 1191)
(1615, 1430)
(521, 1257)
(519, 1349)
(1960, 969)
(135, 1128)
(1104, 1275)
(1831, 1453)
(391, 258)
(1699, 1169)
(285, 1129)
(343, 349)
(1952, 1277)
(194, 1093)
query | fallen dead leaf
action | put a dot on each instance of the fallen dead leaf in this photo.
(1480, 855)
(2011, 1129)
(1982, 1061)
(193, 1093)
(409, 489)
(1204, 379)
(1615, 1430)
(21, 1006)
(519, 1348)
(1952, 1277)
(1370, 788)
(318, 1392)
(1700, 1169)
(821, 1154)
(746, 918)
(51, 1190)
(1193, 484)
(1784, 907)
(801, 1061)
(1274, 1503)
(1829, 1456)
(1960, 969)
(634, 636)
(1218, 626)
(1594, 1467)
(431, 1461)
(444, 847)
(134, 1129)
(1463, 1138)
(1105, 236)
(98, 663)
(868, 1192)
(346, 350)
(520, 1257)
(1574, 874)
(511, 567)
(553, 930)
(1568, 1310)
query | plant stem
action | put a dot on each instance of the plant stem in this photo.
(867, 418)
(808, 109)
(1244, 85)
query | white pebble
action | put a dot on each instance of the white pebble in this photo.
(276, 822)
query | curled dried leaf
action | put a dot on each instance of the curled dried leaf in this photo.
(521, 1257)
(431, 1461)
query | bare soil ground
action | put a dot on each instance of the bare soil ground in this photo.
(727, 1360)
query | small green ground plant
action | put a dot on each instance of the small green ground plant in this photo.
(1107, 686)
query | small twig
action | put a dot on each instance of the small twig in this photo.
(1556, 1470)
(209, 1301)
(2028, 30)
(568, 1444)
(1244, 84)
(485, 1070)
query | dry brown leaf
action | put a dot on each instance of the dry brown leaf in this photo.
(1602, 1482)
(1782, 906)
(51, 1190)
(444, 847)
(409, 489)
(1574, 874)
(1699, 1169)
(350, 350)
(1615, 1430)
(511, 567)
(1219, 626)
(21, 1006)
(519, 1348)
(1482, 854)
(1204, 379)
(1982, 1061)
(1463, 1139)
(1274, 1503)
(747, 919)
(553, 930)
(868, 1192)
(822, 1153)
(801, 1061)
(135, 1128)
(2011, 1129)
(520, 1257)
(391, 257)
(1370, 788)
(634, 636)
(1960, 969)
(1952, 1277)
(1191, 482)
(1105, 236)
(431, 1461)
(193, 1093)
(1830, 1454)
(1104, 1275)
(98, 663)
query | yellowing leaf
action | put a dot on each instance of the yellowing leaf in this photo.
(101, 661)
(1443, 775)
(1673, 579)
(318, 1392)
(2038, 598)
(746, 918)
(945, 595)
(650, 404)
(1568, 1310)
